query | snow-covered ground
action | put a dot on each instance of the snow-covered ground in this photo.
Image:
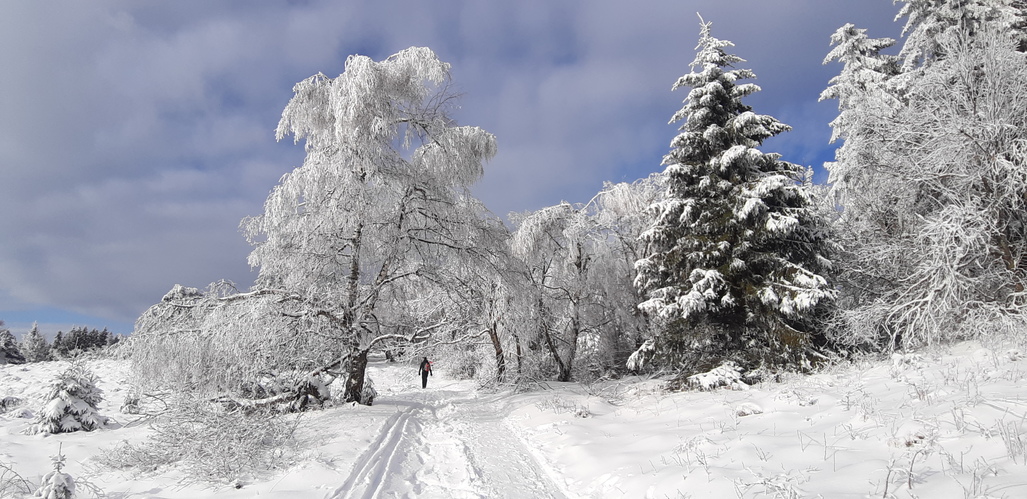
(947, 423)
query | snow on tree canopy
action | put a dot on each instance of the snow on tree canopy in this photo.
(930, 174)
(379, 218)
(71, 403)
(737, 235)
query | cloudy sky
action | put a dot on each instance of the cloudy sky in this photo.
(134, 136)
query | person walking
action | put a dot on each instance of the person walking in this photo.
(424, 371)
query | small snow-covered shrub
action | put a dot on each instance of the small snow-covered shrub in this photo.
(727, 374)
(57, 484)
(462, 363)
(314, 392)
(71, 403)
(641, 359)
(748, 409)
(368, 393)
(582, 412)
(209, 443)
(8, 403)
(131, 404)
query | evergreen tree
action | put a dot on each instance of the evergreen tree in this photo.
(71, 403)
(34, 345)
(58, 348)
(75, 341)
(928, 21)
(863, 75)
(737, 254)
(81, 339)
(9, 351)
(57, 484)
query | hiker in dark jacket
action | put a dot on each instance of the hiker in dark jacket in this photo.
(424, 371)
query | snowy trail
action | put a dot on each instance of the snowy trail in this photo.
(511, 470)
(445, 442)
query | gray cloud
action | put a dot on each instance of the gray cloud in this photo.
(134, 136)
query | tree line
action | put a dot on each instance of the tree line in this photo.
(730, 254)
(34, 347)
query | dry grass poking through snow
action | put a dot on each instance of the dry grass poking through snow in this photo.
(945, 423)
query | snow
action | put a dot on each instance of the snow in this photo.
(948, 422)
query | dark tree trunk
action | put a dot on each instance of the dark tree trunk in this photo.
(520, 355)
(498, 346)
(567, 364)
(548, 339)
(355, 380)
(561, 368)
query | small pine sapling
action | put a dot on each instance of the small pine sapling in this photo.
(71, 403)
(57, 484)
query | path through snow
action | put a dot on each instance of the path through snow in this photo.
(444, 441)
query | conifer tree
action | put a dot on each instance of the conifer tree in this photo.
(864, 73)
(58, 348)
(34, 345)
(928, 21)
(71, 403)
(736, 258)
(9, 351)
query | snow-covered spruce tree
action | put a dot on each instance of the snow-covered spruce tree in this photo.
(736, 260)
(9, 351)
(57, 484)
(933, 187)
(927, 21)
(70, 403)
(863, 77)
(34, 345)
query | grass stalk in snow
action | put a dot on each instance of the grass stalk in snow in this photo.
(12, 483)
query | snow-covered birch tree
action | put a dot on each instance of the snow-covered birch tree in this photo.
(736, 258)
(932, 185)
(578, 265)
(620, 212)
(380, 204)
(553, 244)
(376, 219)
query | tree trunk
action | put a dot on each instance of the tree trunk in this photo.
(548, 339)
(355, 380)
(561, 368)
(520, 355)
(566, 367)
(498, 346)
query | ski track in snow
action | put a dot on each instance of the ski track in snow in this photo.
(445, 443)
